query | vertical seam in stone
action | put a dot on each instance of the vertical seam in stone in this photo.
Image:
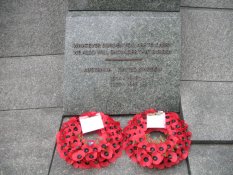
(54, 149)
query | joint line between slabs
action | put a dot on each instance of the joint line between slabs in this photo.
(54, 149)
(206, 8)
(26, 56)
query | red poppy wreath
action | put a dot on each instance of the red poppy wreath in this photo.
(82, 153)
(157, 153)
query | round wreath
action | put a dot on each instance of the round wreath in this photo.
(157, 153)
(82, 153)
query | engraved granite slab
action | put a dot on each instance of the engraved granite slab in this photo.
(128, 5)
(122, 62)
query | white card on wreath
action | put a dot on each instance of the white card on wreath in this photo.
(89, 124)
(156, 120)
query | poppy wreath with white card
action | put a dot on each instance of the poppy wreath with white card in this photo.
(80, 152)
(160, 152)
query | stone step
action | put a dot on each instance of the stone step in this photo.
(208, 108)
(211, 159)
(27, 140)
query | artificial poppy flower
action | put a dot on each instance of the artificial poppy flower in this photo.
(170, 145)
(118, 152)
(115, 145)
(151, 148)
(172, 156)
(77, 164)
(105, 163)
(113, 159)
(95, 164)
(133, 157)
(168, 163)
(78, 155)
(96, 148)
(85, 165)
(157, 158)
(69, 161)
(107, 154)
(185, 153)
(162, 148)
(160, 166)
(142, 145)
(77, 129)
(91, 156)
(87, 149)
(145, 160)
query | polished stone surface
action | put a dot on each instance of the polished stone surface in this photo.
(208, 108)
(143, 76)
(128, 5)
(27, 140)
(208, 3)
(31, 82)
(207, 42)
(32, 27)
(211, 159)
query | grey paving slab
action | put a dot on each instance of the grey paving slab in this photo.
(27, 140)
(129, 5)
(211, 159)
(122, 62)
(208, 3)
(32, 27)
(31, 82)
(208, 108)
(207, 42)
(123, 165)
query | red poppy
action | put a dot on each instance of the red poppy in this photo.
(105, 163)
(91, 156)
(96, 148)
(151, 148)
(162, 148)
(118, 153)
(115, 145)
(170, 145)
(87, 149)
(69, 161)
(172, 156)
(113, 159)
(76, 165)
(168, 163)
(184, 153)
(133, 157)
(145, 160)
(142, 145)
(157, 158)
(107, 154)
(160, 166)
(85, 165)
(78, 155)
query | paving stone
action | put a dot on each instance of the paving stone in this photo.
(27, 140)
(208, 3)
(211, 159)
(123, 165)
(128, 5)
(207, 42)
(31, 82)
(208, 108)
(32, 27)
(137, 66)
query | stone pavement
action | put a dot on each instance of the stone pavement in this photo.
(31, 77)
